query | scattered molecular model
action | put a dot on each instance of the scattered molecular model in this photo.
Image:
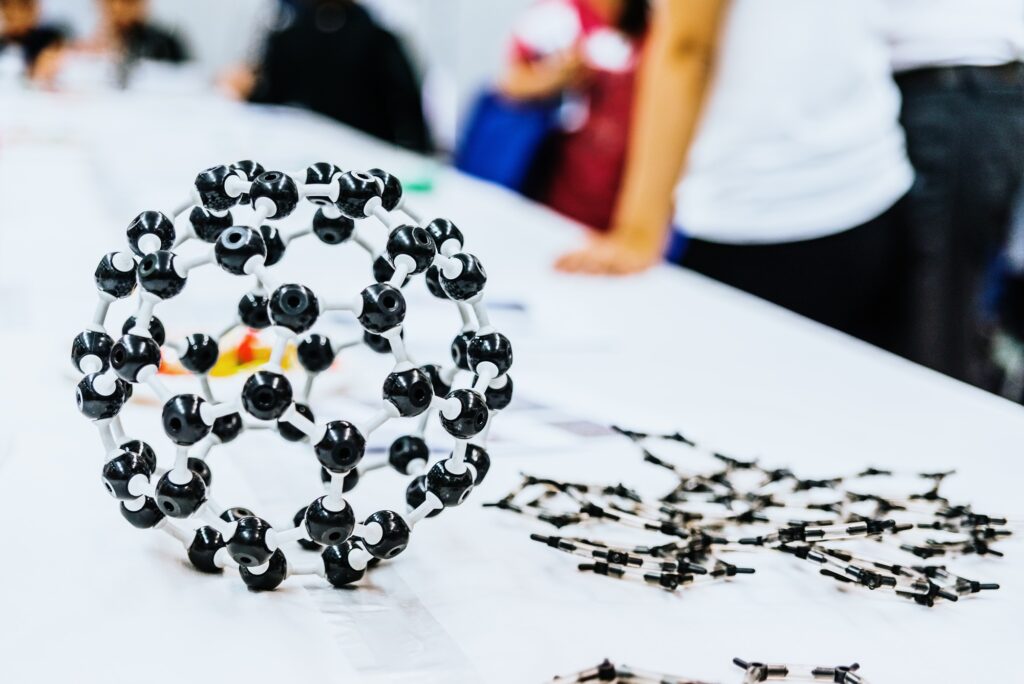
(178, 499)
(739, 505)
(752, 673)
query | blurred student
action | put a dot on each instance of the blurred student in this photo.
(959, 69)
(781, 165)
(126, 32)
(1008, 308)
(588, 50)
(330, 56)
(22, 30)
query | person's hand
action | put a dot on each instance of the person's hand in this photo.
(47, 67)
(544, 78)
(568, 69)
(237, 82)
(617, 253)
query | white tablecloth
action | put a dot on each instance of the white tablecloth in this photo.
(86, 598)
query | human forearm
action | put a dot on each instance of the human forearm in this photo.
(671, 88)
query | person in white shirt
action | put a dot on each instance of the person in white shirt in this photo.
(785, 115)
(959, 70)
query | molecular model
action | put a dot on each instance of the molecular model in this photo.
(177, 499)
(752, 672)
(851, 527)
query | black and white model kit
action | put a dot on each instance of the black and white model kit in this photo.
(232, 218)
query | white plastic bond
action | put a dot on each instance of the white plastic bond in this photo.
(212, 535)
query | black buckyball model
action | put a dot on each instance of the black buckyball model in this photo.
(327, 526)
(356, 190)
(90, 351)
(160, 276)
(180, 498)
(289, 431)
(133, 353)
(211, 188)
(294, 307)
(266, 395)
(391, 192)
(207, 225)
(341, 447)
(468, 280)
(451, 488)
(383, 308)
(204, 548)
(383, 271)
(416, 494)
(156, 329)
(201, 352)
(275, 244)
(409, 451)
(250, 171)
(315, 353)
(116, 275)
(183, 420)
(233, 226)
(412, 242)
(409, 391)
(278, 190)
(377, 343)
(332, 230)
(236, 246)
(254, 310)
(154, 224)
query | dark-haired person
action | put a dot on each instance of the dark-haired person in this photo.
(330, 56)
(768, 133)
(126, 31)
(589, 50)
(21, 29)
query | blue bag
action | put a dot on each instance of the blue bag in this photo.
(504, 137)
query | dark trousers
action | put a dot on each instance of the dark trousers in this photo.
(845, 281)
(965, 138)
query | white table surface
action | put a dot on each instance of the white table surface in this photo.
(86, 598)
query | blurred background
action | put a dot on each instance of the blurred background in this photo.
(456, 47)
(859, 163)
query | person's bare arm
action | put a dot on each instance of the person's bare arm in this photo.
(540, 79)
(673, 80)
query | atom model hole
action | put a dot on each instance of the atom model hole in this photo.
(264, 397)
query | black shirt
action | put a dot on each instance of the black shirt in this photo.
(35, 41)
(146, 41)
(334, 59)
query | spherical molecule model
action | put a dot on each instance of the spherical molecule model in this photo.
(231, 217)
